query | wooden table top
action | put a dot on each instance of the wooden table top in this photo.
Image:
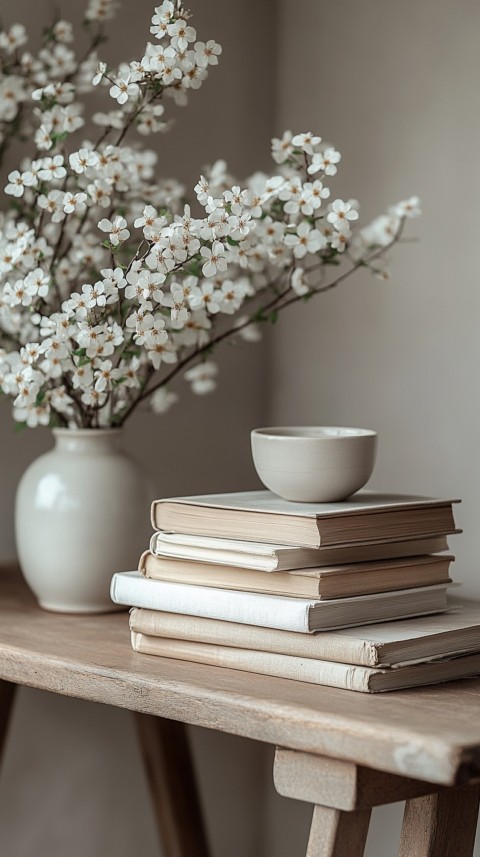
(430, 734)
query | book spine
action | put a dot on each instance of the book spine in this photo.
(270, 611)
(339, 675)
(326, 646)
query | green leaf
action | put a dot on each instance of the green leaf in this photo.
(273, 316)
(80, 352)
(195, 268)
(19, 427)
(59, 138)
(55, 422)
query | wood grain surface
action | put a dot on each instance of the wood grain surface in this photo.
(430, 734)
(441, 825)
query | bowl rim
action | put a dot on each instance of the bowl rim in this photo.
(291, 433)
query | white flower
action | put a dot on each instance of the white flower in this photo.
(61, 402)
(94, 295)
(93, 398)
(378, 233)
(406, 208)
(240, 226)
(162, 400)
(98, 76)
(326, 161)
(37, 283)
(206, 297)
(17, 294)
(100, 10)
(250, 332)
(123, 90)
(176, 300)
(181, 34)
(15, 186)
(82, 377)
(341, 213)
(312, 195)
(99, 191)
(150, 221)
(13, 39)
(202, 377)
(339, 240)
(306, 240)
(214, 259)
(74, 203)
(160, 352)
(33, 415)
(231, 296)
(291, 194)
(105, 376)
(236, 199)
(63, 31)
(298, 282)
(202, 189)
(207, 53)
(306, 142)
(116, 228)
(83, 159)
(52, 168)
(53, 203)
(282, 148)
(161, 19)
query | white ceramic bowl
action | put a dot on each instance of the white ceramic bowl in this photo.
(314, 464)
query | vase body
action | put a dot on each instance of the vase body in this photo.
(82, 513)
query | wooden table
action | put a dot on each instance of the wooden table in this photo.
(344, 752)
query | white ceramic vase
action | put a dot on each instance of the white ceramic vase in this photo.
(82, 513)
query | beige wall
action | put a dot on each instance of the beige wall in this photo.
(395, 87)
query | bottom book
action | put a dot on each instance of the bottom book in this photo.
(327, 673)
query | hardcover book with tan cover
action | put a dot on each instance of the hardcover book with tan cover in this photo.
(366, 517)
(341, 581)
(327, 673)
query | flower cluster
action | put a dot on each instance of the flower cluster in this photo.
(110, 285)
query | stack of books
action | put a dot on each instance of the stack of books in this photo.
(256, 583)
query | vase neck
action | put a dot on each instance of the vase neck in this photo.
(87, 441)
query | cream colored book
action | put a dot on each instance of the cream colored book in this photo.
(330, 674)
(274, 611)
(385, 644)
(362, 578)
(366, 517)
(262, 556)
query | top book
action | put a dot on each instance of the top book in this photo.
(367, 517)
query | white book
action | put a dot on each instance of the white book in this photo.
(260, 556)
(329, 674)
(388, 644)
(274, 611)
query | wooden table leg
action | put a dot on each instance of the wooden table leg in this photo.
(335, 833)
(7, 696)
(441, 825)
(169, 767)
